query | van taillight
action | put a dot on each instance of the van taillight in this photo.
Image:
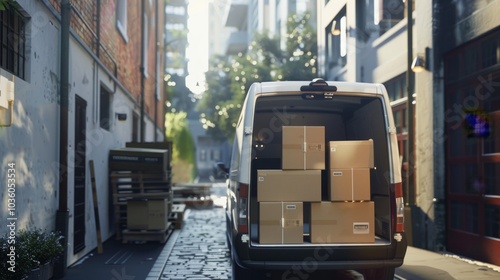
(399, 205)
(242, 208)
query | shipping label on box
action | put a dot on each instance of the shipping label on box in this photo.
(351, 184)
(281, 223)
(342, 222)
(157, 214)
(288, 185)
(351, 154)
(303, 148)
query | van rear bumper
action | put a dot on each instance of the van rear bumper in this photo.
(321, 265)
(319, 258)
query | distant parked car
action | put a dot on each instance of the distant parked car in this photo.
(219, 171)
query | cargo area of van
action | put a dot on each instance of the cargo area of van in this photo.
(338, 199)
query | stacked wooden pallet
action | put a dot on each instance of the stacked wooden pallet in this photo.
(193, 194)
(140, 178)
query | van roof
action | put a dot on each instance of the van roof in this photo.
(281, 86)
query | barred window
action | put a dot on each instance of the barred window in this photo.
(12, 41)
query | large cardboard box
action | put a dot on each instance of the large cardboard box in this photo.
(281, 223)
(342, 222)
(147, 214)
(351, 154)
(288, 185)
(137, 214)
(349, 184)
(303, 148)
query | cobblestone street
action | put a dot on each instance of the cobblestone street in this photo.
(199, 250)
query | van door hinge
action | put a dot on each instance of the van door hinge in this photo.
(248, 131)
(244, 238)
(398, 237)
(392, 130)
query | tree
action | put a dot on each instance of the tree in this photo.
(183, 152)
(229, 78)
(180, 98)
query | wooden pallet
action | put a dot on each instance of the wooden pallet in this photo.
(191, 189)
(177, 215)
(136, 185)
(195, 201)
(192, 194)
(161, 236)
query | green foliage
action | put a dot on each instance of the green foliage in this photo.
(43, 246)
(183, 152)
(179, 96)
(23, 262)
(8, 4)
(33, 248)
(229, 78)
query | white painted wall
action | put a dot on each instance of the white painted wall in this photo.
(32, 143)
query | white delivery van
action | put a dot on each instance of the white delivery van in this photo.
(315, 176)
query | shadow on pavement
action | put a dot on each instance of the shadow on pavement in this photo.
(118, 261)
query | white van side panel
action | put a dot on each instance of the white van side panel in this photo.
(395, 162)
(247, 126)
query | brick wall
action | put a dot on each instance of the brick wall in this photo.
(117, 52)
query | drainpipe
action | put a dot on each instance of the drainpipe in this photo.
(62, 215)
(143, 30)
(157, 71)
(410, 156)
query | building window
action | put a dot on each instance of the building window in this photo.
(121, 18)
(13, 41)
(387, 13)
(145, 39)
(396, 87)
(135, 127)
(336, 41)
(105, 109)
(203, 155)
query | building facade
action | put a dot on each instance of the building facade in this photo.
(113, 95)
(247, 17)
(445, 115)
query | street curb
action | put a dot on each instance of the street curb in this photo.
(161, 261)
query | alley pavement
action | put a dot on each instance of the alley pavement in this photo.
(199, 251)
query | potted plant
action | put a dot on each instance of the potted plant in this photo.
(43, 247)
(15, 261)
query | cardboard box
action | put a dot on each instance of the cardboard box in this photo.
(147, 214)
(137, 213)
(351, 154)
(288, 185)
(342, 222)
(281, 223)
(350, 184)
(303, 148)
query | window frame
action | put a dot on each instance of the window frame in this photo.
(121, 18)
(13, 52)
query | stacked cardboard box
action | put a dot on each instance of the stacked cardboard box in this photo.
(282, 193)
(348, 216)
(303, 148)
(349, 166)
(281, 223)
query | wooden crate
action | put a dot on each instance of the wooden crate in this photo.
(177, 215)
